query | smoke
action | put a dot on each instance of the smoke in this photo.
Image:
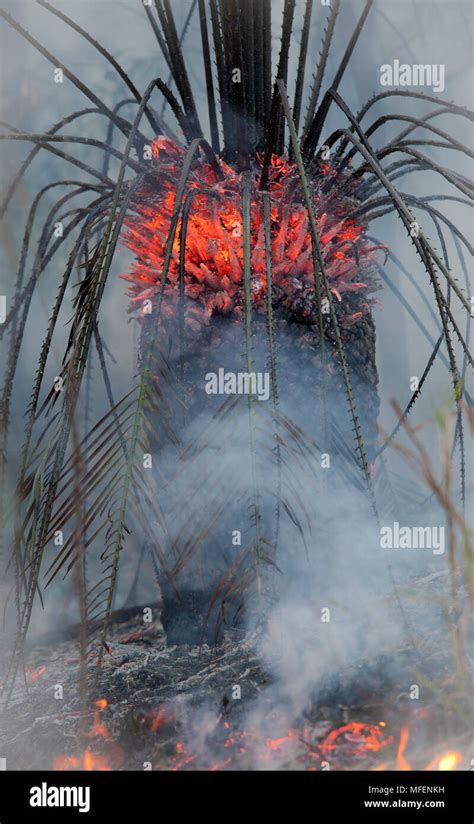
(337, 600)
(331, 598)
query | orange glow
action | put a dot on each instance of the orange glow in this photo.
(276, 743)
(182, 758)
(161, 717)
(402, 763)
(90, 762)
(65, 762)
(446, 762)
(95, 762)
(34, 674)
(449, 761)
(342, 746)
(213, 259)
(98, 727)
(363, 737)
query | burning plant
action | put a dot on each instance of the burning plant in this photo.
(213, 265)
(252, 248)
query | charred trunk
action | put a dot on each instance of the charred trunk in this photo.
(191, 611)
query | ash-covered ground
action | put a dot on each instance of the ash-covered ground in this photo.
(195, 707)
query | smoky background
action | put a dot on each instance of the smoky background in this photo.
(357, 574)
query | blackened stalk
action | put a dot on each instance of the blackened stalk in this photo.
(179, 72)
(267, 58)
(244, 119)
(249, 47)
(282, 74)
(229, 55)
(319, 262)
(275, 132)
(259, 78)
(246, 228)
(209, 81)
(220, 65)
(302, 65)
(159, 37)
(314, 132)
(321, 68)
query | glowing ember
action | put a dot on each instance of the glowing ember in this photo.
(360, 738)
(296, 747)
(341, 747)
(98, 727)
(33, 674)
(213, 258)
(182, 757)
(276, 743)
(89, 762)
(161, 717)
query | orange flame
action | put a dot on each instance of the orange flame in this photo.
(402, 763)
(448, 761)
(98, 727)
(95, 762)
(92, 761)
